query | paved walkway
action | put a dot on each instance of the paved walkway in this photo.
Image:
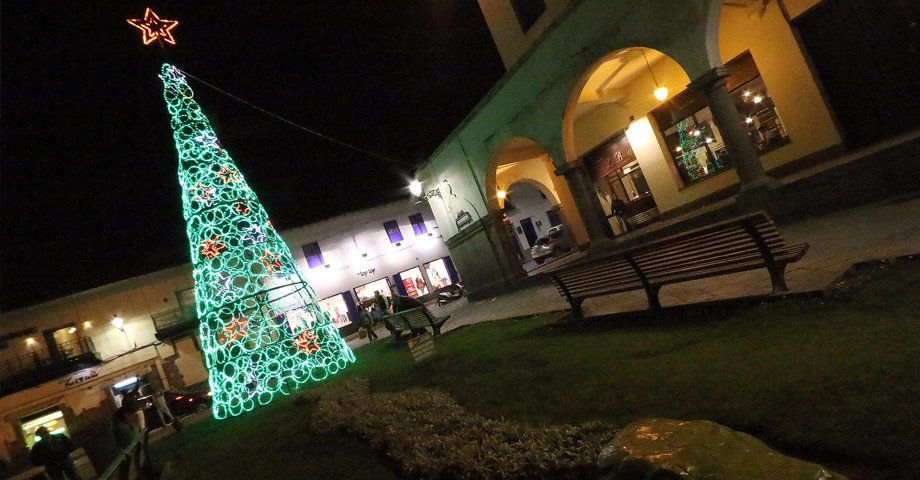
(838, 240)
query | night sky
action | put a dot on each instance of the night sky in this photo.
(88, 188)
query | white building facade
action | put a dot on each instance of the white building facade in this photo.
(63, 362)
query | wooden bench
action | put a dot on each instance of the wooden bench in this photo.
(413, 321)
(745, 243)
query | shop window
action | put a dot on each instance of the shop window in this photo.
(314, 255)
(336, 309)
(393, 233)
(528, 11)
(696, 146)
(365, 293)
(765, 129)
(692, 138)
(418, 224)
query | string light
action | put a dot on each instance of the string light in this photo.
(262, 332)
(154, 27)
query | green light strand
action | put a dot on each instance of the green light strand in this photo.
(262, 332)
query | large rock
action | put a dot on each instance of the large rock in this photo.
(662, 449)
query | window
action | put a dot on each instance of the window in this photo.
(418, 224)
(528, 11)
(691, 135)
(765, 128)
(393, 232)
(314, 255)
(696, 146)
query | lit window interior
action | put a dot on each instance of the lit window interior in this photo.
(53, 420)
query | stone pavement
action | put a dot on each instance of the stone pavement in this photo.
(838, 240)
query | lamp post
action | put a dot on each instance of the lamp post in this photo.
(119, 323)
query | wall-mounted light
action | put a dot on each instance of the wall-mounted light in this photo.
(119, 323)
(501, 194)
(415, 187)
(660, 92)
(87, 325)
(30, 341)
(748, 120)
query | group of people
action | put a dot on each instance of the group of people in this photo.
(380, 307)
(128, 425)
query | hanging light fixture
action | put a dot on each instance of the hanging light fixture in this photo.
(660, 92)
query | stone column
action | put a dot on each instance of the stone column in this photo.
(730, 124)
(586, 201)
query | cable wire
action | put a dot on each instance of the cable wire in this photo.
(297, 125)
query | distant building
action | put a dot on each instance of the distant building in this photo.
(64, 363)
(656, 108)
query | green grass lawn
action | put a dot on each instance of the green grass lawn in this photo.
(832, 381)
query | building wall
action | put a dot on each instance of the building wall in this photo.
(533, 100)
(510, 40)
(134, 299)
(798, 7)
(788, 79)
(357, 250)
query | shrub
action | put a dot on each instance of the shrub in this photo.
(428, 435)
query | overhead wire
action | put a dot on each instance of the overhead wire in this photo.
(297, 125)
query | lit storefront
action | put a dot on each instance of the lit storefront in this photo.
(391, 249)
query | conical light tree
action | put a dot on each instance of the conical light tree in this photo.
(262, 332)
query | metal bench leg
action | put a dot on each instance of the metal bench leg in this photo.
(652, 292)
(778, 277)
(576, 307)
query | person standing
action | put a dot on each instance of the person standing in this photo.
(159, 403)
(380, 301)
(376, 314)
(131, 401)
(367, 323)
(53, 452)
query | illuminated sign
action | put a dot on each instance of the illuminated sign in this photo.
(80, 377)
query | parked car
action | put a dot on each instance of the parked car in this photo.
(553, 244)
(180, 404)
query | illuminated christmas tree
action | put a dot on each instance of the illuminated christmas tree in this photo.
(262, 333)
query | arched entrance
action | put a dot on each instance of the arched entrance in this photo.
(532, 201)
(612, 126)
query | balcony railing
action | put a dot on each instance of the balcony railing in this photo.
(43, 364)
(174, 322)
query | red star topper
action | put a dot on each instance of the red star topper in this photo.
(212, 248)
(307, 342)
(236, 330)
(154, 27)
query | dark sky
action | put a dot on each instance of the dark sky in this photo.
(88, 188)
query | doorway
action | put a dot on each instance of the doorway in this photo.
(529, 233)
(862, 51)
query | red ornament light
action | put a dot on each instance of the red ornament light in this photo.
(154, 27)
(236, 330)
(307, 342)
(212, 248)
(228, 175)
(272, 261)
(242, 208)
